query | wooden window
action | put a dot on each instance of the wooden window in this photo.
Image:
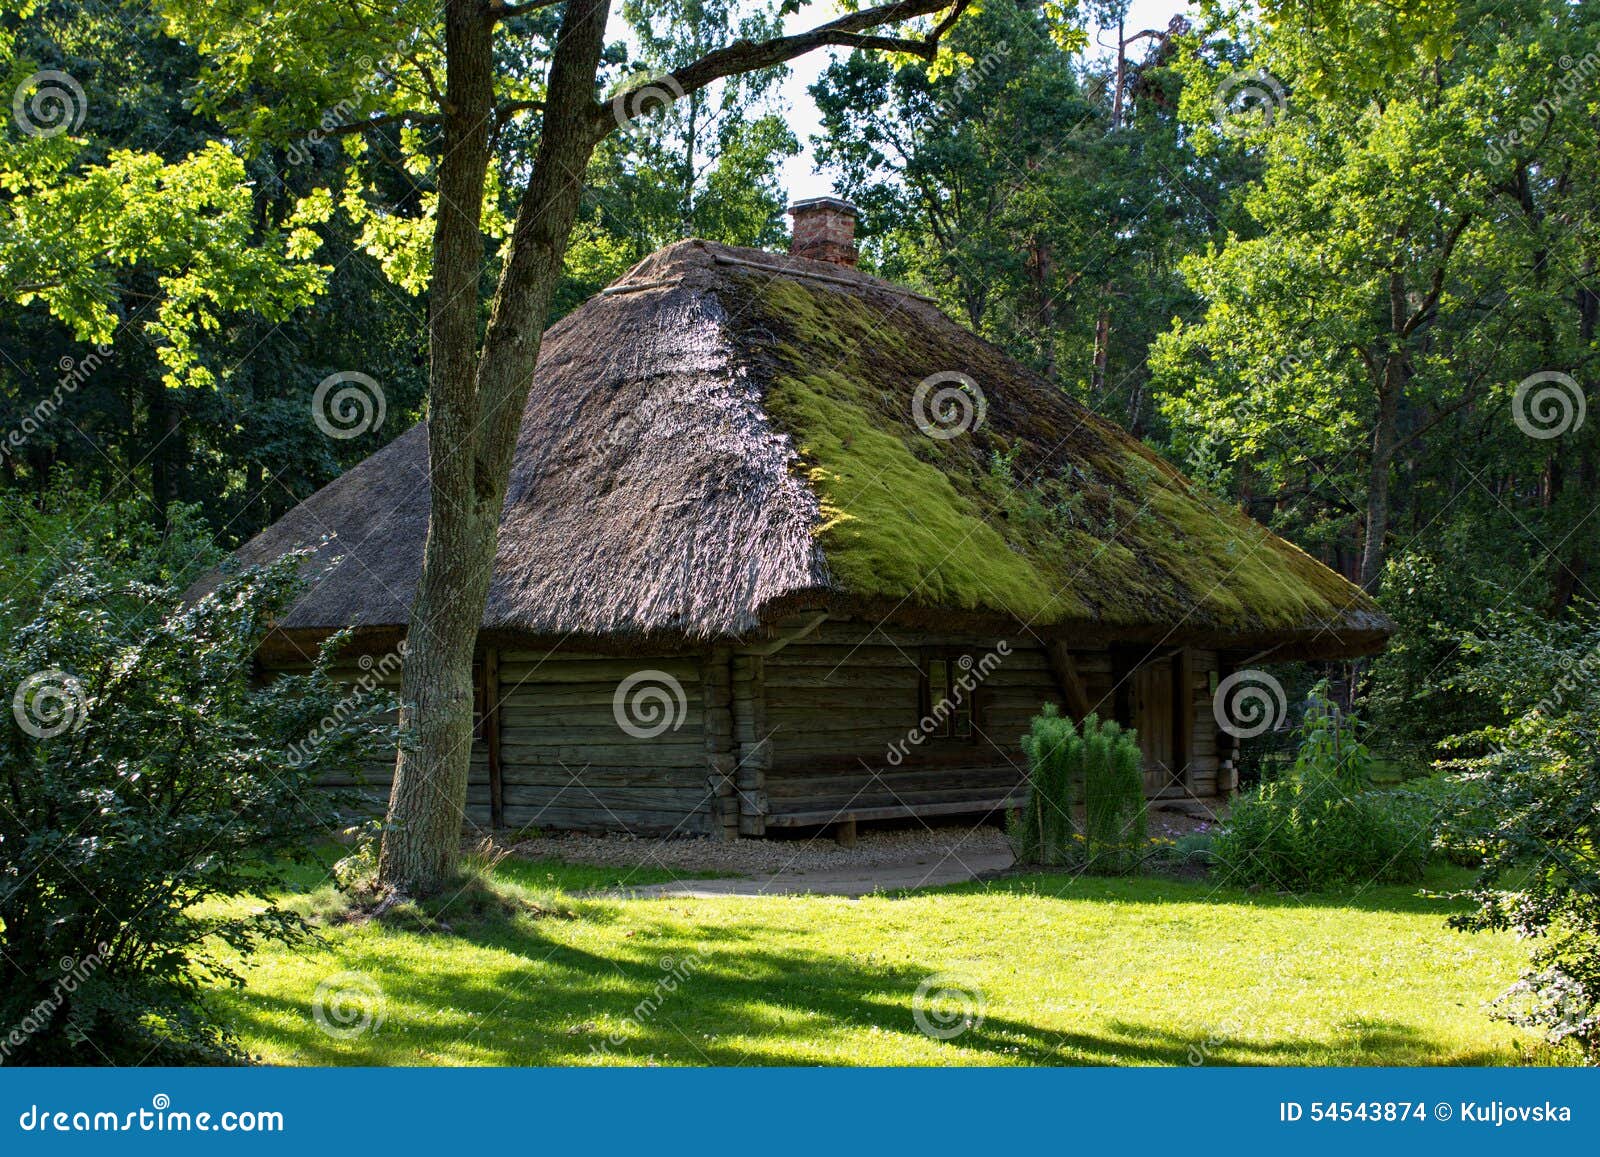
(949, 694)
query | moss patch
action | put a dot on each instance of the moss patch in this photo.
(1043, 512)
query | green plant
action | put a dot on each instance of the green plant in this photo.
(1320, 823)
(1537, 817)
(1096, 767)
(147, 776)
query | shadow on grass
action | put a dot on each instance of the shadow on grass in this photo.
(714, 995)
(1428, 897)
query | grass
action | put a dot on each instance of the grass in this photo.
(1063, 971)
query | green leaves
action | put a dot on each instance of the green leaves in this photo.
(147, 776)
(77, 220)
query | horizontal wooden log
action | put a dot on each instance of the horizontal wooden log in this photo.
(614, 671)
(892, 811)
(866, 718)
(618, 798)
(598, 698)
(779, 783)
(850, 801)
(850, 675)
(592, 723)
(604, 735)
(657, 754)
(824, 707)
(533, 775)
(642, 822)
(925, 758)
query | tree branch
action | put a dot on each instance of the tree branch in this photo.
(1436, 285)
(744, 56)
(498, 10)
(367, 125)
(502, 113)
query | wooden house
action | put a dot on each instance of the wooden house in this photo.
(785, 546)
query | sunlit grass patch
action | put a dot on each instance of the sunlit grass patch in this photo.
(1040, 969)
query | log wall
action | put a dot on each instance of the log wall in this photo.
(843, 704)
(570, 765)
(825, 724)
(369, 784)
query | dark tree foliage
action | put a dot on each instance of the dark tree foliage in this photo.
(247, 448)
(147, 784)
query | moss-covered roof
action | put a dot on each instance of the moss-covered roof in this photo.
(726, 434)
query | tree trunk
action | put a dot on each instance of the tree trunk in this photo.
(1386, 437)
(1572, 570)
(1041, 266)
(1102, 350)
(476, 406)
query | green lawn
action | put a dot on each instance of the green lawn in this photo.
(1086, 971)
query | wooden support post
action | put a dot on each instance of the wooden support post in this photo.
(1065, 671)
(1183, 716)
(491, 738)
(753, 746)
(844, 833)
(1227, 742)
(721, 747)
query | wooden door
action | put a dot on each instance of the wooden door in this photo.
(1153, 717)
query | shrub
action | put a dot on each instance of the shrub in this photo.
(1320, 824)
(1096, 767)
(145, 777)
(1436, 596)
(1537, 823)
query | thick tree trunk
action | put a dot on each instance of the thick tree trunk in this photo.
(476, 405)
(476, 398)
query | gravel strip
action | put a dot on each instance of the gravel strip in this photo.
(874, 848)
(759, 857)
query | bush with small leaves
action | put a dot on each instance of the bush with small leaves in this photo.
(148, 779)
(1536, 825)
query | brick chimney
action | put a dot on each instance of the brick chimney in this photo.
(824, 230)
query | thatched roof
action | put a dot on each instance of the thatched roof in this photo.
(726, 435)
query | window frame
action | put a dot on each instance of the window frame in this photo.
(963, 725)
